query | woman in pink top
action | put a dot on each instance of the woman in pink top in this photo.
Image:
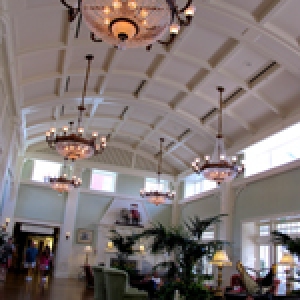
(44, 265)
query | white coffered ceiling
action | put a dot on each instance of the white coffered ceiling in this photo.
(136, 97)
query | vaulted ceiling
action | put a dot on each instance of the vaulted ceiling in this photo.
(135, 97)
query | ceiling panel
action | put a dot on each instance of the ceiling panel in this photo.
(205, 45)
(246, 63)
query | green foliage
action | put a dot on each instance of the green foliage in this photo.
(292, 245)
(187, 248)
(195, 291)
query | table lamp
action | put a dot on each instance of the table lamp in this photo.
(220, 259)
(87, 250)
(288, 260)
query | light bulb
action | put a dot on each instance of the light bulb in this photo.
(117, 4)
(144, 13)
(132, 4)
(174, 28)
(190, 11)
(106, 10)
(52, 130)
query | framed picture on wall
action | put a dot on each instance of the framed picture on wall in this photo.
(85, 236)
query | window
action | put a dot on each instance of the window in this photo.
(103, 181)
(278, 149)
(264, 230)
(289, 227)
(152, 185)
(194, 185)
(43, 169)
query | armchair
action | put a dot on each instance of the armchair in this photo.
(117, 286)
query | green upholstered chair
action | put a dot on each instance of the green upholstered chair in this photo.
(99, 283)
(117, 286)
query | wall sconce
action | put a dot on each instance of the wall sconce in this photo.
(3, 227)
(110, 245)
(68, 234)
(7, 221)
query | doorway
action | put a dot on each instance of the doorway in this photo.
(41, 235)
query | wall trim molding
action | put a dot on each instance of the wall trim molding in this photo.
(95, 192)
(37, 222)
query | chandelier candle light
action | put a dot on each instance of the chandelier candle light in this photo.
(63, 184)
(219, 167)
(132, 23)
(157, 196)
(71, 142)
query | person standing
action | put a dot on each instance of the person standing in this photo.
(44, 265)
(30, 259)
(6, 257)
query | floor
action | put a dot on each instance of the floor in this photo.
(16, 288)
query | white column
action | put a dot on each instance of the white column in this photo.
(64, 249)
(10, 204)
(227, 200)
(175, 206)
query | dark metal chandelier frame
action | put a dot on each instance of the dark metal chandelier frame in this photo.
(155, 194)
(218, 168)
(177, 15)
(73, 144)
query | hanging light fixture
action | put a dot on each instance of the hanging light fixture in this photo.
(158, 196)
(70, 142)
(132, 23)
(219, 167)
(63, 184)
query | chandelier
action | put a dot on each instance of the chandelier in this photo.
(70, 142)
(157, 196)
(63, 184)
(132, 23)
(219, 167)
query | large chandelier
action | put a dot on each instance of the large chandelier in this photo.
(70, 142)
(63, 184)
(219, 167)
(158, 196)
(132, 23)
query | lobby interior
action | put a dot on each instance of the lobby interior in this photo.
(135, 97)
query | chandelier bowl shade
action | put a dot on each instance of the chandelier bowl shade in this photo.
(134, 23)
(131, 23)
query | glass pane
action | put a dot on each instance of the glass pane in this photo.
(264, 230)
(103, 181)
(43, 169)
(264, 259)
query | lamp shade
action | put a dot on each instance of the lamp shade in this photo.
(220, 258)
(287, 260)
(88, 249)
